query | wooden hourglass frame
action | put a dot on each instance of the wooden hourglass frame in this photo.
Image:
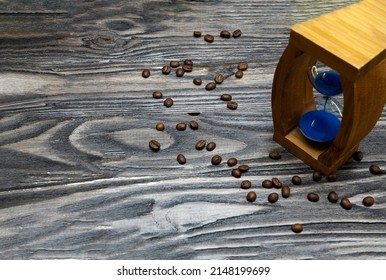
(351, 41)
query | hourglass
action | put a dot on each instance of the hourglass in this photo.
(351, 45)
(321, 125)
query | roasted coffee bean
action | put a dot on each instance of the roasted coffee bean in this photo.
(154, 145)
(239, 74)
(157, 94)
(166, 69)
(296, 180)
(187, 68)
(244, 168)
(297, 228)
(267, 184)
(225, 34)
(168, 102)
(197, 34)
(246, 184)
(273, 197)
(236, 173)
(357, 156)
(232, 105)
(375, 169)
(180, 72)
(188, 62)
(160, 126)
(181, 159)
(368, 201)
(346, 204)
(242, 66)
(200, 144)
(174, 63)
(316, 176)
(219, 78)
(232, 161)
(210, 86)
(331, 177)
(276, 183)
(251, 196)
(285, 191)
(333, 197)
(313, 197)
(146, 73)
(210, 146)
(216, 160)
(193, 125)
(181, 126)
(197, 81)
(275, 155)
(236, 33)
(209, 38)
(226, 97)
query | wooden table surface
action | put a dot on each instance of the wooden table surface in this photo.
(78, 179)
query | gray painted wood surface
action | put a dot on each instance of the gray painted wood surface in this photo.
(78, 179)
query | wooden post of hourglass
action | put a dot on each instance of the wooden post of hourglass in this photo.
(352, 41)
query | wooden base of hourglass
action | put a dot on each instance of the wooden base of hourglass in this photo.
(352, 41)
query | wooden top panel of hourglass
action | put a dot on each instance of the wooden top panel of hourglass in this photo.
(350, 40)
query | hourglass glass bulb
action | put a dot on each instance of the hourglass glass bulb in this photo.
(325, 81)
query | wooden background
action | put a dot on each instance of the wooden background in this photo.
(78, 179)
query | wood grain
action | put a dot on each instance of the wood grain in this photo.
(78, 179)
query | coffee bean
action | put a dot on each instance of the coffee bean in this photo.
(346, 204)
(219, 78)
(297, 228)
(193, 125)
(239, 74)
(276, 183)
(375, 169)
(181, 159)
(285, 191)
(168, 102)
(200, 144)
(232, 162)
(225, 34)
(210, 86)
(174, 63)
(316, 176)
(275, 155)
(226, 97)
(333, 197)
(251, 196)
(313, 197)
(236, 173)
(188, 62)
(187, 68)
(357, 156)
(273, 197)
(243, 168)
(242, 66)
(146, 73)
(160, 126)
(216, 160)
(157, 94)
(197, 81)
(331, 177)
(180, 72)
(267, 184)
(181, 126)
(210, 146)
(296, 180)
(232, 105)
(197, 34)
(166, 69)
(154, 145)
(246, 184)
(209, 38)
(368, 201)
(236, 33)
